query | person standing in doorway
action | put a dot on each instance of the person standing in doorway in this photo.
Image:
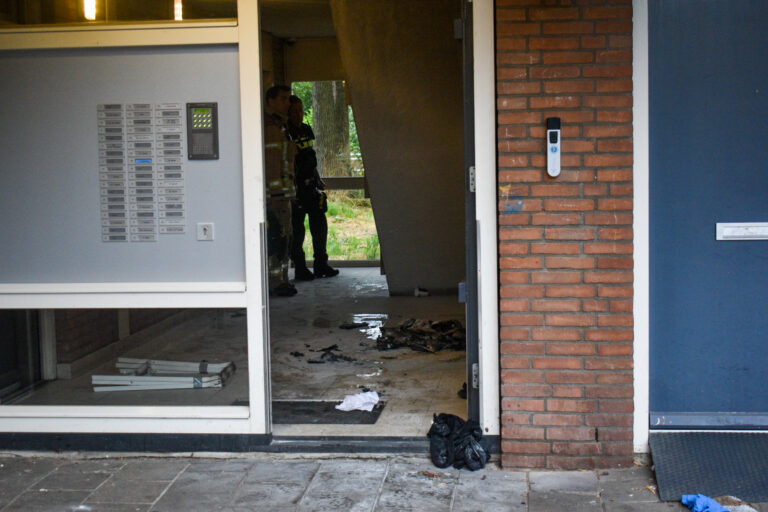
(311, 198)
(279, 153)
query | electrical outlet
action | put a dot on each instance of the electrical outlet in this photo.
(205, 231)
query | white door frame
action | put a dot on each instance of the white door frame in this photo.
(487, 213)
(641, 224)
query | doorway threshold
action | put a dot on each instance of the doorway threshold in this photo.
(184, 444)
(361, 444)
(348, 444)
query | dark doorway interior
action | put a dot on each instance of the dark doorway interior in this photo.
(19, 352)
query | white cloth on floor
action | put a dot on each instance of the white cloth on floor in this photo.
(359, 402)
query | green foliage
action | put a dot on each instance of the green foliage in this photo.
(354, 142)
(372, 248)
(304, 91)
(351, 228)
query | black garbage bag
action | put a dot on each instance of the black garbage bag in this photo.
(440, 440)
(474, 455)
(453, 441)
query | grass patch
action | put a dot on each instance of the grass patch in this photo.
(351, 227)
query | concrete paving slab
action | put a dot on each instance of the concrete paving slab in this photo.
(187, 502)
(224, 466)
(100, 466)
(492, 491)
(281, 484)
(113, 507)
(343, 482)
(328, 483)
(30, 469)
(286, 508)
(488, 507)
(576, 482)
(634, 485)
(413, 485)
(645, 507)
(344, 485)
(72, 480)
(638, 473)
(128, 491)
(208, 483)
(563, 502)
(351, 501)
(282, 472)
(637, 491)
(152, 470)
(353, 466)
(260, 496)
(19, 474)
(51, 501)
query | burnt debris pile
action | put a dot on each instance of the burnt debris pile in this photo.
(424, 336)
(329, 355)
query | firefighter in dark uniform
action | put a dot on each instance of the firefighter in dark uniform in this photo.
(311, 200)
(279, 153)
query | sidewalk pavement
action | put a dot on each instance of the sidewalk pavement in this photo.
(268, 482)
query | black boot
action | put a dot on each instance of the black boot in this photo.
(325, 270)
(303, 274)
(284, 290)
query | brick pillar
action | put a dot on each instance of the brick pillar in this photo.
(565, 244)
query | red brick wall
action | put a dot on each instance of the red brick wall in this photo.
(82, 331)
(566, 253)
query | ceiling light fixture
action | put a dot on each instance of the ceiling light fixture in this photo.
(89, 9)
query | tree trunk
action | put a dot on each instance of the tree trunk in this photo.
(331, 128)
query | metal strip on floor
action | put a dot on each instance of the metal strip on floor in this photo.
(222, 443)
(711, 463)
(348, 444)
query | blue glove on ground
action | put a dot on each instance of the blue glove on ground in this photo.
(701, 503)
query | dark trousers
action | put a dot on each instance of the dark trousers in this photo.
(318, 227)
(278, 240)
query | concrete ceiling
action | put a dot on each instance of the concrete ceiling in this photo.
(291, 19)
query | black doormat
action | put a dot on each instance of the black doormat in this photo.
(711, 463)
(293, 412)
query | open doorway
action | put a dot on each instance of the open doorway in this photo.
(392, 325)
(352, 239)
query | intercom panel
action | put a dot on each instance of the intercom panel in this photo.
(553, 146)
(202, 131)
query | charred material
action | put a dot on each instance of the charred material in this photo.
(329, 355)
(424, 336)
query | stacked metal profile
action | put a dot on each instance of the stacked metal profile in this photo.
(151, 374)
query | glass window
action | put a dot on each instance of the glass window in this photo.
(45, 12)
(138, 357)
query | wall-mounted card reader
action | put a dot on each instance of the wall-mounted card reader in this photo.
(553, 146)
(203, 131)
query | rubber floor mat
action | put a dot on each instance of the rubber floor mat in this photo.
(713, 464)
(292, 412)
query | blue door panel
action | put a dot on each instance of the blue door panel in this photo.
(708, 164)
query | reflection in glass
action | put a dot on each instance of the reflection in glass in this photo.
(181, 356)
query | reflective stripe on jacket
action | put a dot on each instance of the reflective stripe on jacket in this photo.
(279, 153)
